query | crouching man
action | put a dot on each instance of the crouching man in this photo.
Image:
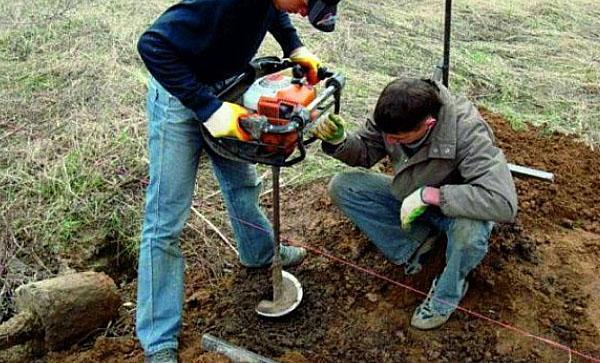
(448, 177)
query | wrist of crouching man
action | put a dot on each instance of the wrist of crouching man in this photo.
(431, 196)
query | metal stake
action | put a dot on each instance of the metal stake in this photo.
(447, 33)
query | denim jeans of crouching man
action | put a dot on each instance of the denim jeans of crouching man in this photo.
(366, 199)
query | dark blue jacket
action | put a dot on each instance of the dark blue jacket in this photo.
(196, 43)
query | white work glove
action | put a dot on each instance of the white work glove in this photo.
(416, 204)
(225, 122)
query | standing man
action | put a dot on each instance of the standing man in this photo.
(448, 176)
(189, 51)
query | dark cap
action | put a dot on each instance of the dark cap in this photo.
(322, 14)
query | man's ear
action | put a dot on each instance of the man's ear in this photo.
(430, 121)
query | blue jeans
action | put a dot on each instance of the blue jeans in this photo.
(366, 199)
(175, 145)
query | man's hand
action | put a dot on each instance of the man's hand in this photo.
(225, 122)
(309, 62)
(416, 204)
(331, 130)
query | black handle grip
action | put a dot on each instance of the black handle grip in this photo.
(324, 73)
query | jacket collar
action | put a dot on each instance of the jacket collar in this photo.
(443, 136)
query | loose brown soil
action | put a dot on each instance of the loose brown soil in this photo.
(541, 275)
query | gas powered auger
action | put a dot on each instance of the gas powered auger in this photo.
(286, 108)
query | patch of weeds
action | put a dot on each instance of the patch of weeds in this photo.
(23, 45)
(579, 223)
(42, 81)
(548, 16)
(71, 179)
(480, 57)
(514, 118)
(124, 225)
(81, 181)
(68, 229)
(123, 137)
(319, 166)
(49, 188)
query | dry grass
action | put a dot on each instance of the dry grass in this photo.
(72, 124)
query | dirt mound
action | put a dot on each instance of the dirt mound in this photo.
(540, 275)
(573, 201)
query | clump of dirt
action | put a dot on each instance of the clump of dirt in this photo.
(540, 275)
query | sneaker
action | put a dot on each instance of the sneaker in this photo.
(425, 318)
(163, 356)
(415, 263)
(291, 256)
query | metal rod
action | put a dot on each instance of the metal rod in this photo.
(534, 173)
(211, 343)
(322, 97)
(318, 117)
(447, 33)
(276, 266)
(325, 108)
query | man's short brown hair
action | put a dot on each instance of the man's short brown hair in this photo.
(404, 103)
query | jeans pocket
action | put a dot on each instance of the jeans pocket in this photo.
(174, 110)
(180, 114)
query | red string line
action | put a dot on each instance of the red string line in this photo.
(407, 287)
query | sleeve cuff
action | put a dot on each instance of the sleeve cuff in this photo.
(203, 113)
(291, 45)
(330, 149)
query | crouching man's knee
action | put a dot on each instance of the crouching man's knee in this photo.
(470, 234)
(339, 187)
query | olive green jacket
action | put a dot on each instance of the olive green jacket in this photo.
(459, 156)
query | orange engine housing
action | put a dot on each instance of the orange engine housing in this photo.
(278, 110)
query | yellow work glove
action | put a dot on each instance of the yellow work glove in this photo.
(309, 62)
(225, 122)
(331, 130)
